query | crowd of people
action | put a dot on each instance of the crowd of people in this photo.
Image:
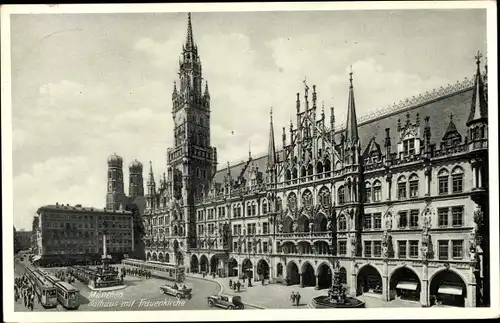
(24, 290)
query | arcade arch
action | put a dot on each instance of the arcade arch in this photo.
(368, 280)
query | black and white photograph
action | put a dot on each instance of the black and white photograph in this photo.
(292, 157)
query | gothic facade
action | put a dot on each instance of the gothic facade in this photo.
(400, 205)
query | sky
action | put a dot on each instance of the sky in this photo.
(85, 86)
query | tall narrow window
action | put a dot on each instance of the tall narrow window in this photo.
(368, 221)
(443, 178)
(342, 248)
(414, 185)
(377, 221)
(368, 192)
(377, 248)
(414, 218)
(377, 191)
(457, 178)
(368, 248)
(458, 249)
(340, 195)
(342, 223)
(443, 217)
(457, 214)
(402, 188)
(403, 219)
(401, 249)
(443, 249)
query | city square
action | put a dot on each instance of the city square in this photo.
(388, 208)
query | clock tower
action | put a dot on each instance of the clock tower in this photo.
(192, 162)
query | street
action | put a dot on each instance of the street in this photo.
(140, 294)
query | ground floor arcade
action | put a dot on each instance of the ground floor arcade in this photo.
(427, 284)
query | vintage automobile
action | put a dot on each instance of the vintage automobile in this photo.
(177, 291)
(226, 301)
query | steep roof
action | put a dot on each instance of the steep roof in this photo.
(439, 104)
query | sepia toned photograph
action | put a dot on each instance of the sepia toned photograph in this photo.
(202, 159)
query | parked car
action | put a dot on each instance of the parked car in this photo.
(177, 291)
(226, 301)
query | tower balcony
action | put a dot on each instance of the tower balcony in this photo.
(310, 236)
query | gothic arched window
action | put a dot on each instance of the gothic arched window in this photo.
(340, 195)
(368, 192)
(291, 202)
(413, 185)
(401, 187)
(325, 197)
(457, 179)
(307, 199)
(342, 223)
(377, 191)
(443, 179)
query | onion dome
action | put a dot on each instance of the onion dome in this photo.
(136, 165)
(115, 161)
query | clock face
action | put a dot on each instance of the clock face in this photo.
(180, 117)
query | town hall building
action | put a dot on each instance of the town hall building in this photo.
(397, 201)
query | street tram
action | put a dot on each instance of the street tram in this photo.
(67, 294)
(158, 269)
(44, 289)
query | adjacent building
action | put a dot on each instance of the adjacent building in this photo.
(74, 233)
(397, 201)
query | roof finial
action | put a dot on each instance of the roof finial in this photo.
(249, 150)
(451, 116)
(350, 76)
(306, 87)
(271, 114)
(478, 58)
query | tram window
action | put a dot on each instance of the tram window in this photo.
(43, 292)
(72, 295)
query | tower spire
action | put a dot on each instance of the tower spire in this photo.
(189, 34)
(351, 124)
(151, 178)
(271, 154)
(479, 107)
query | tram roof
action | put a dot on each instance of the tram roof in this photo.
(67, 287)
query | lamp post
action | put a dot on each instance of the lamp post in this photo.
(105, 257)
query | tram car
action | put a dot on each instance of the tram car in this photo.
(158, 269)
(44, 289)
(67, 294)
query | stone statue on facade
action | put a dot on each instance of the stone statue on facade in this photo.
(354, 243)
(311, 227)
(388, 221)
(385, 244)
(295, 226)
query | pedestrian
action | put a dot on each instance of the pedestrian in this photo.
(262, 281)
(230, 283)
(292, 298)
(298, 299)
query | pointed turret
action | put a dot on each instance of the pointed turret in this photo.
(151, 177)
(479, 106)
(271, 153)
(351, 124)
(206, 94)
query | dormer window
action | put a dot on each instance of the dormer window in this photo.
(409, 146)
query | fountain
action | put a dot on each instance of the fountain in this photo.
(337, 297)
(104, 277)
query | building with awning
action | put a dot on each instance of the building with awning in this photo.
(450, 290)
(406, 285)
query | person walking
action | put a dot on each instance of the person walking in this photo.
(292, 298)
(230, 283)
(298, 298)
(238, 286)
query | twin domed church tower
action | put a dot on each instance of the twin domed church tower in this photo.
(115, 197)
